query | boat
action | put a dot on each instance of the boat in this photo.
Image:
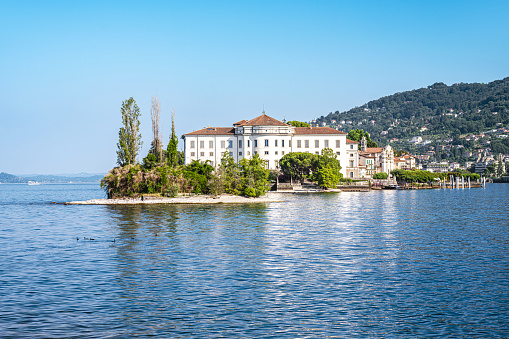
(32, 183)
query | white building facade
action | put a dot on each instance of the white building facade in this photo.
(271, 139)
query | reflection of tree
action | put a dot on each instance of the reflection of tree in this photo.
(200, 251)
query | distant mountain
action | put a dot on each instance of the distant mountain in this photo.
(44, 178)
(439, 114)
(11, 179)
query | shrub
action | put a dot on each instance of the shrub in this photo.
(382, 175)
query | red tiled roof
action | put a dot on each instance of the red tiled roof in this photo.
(214, 131)
(348, 141)
(263, 120)
(317, 130)
(371, 150)
(240, 123)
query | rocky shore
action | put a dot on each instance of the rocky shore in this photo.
(194, 199)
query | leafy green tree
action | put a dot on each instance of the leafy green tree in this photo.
(357, 134)
(255, 177)
(229, 173)
(171, 151)
(328, 169)
(298, 165)
(129, 136)
(381, 175)
(500, 168)
(296, 123)
(198, 175)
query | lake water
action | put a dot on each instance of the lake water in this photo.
(391, 264)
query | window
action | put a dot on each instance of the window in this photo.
(192, 154)
(351, 174)
(351, 146)
(276, 163)
(290, 143)
(338, 153)
(282, 152)
(231, 154)
(255, 152)
(240, 143)
(266, 152)
(211, 144)
(275, 152)
(317, 152)
(192, 144)
(275, 143)
(202, 154)
(351, 163)
(211, 154)
(266, 143)
(240, 153)
(317, 143)
(283, 143)
(299, 143)
(222, 144)
(337, 143)
(248, 143)
(256, 143)
(351, 154)
(230, 144)
(306, 143)
(202, 144)
(326, 143)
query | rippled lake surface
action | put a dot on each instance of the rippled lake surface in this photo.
(391, 264)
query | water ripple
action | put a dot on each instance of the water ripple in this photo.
(378, 264)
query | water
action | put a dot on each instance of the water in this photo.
(392, 264)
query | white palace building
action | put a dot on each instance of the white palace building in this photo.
(271, 139)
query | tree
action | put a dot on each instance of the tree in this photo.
(157, 145)
(298, 164)
(255, 177)
(296, 123)
(500, 167)
(328, 170)
(228, 171)
(357, 134)
(171, 151)
(129, 136)
(381, 175)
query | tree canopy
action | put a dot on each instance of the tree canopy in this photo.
(357, 134)
(129, 136)
(296, 123)
(324, 169)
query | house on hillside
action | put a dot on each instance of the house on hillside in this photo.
(406, 162)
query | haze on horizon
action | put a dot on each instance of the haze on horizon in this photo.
(67, 67)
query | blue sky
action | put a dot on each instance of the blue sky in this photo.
(66, 67)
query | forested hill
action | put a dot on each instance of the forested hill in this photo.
(436, 113)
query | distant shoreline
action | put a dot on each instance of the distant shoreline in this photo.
(196, 199)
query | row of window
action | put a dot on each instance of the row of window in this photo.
(266, 143)
(211, 154)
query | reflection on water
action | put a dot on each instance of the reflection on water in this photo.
(377, 264)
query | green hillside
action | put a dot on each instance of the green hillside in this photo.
(439, 114)
(12, 179)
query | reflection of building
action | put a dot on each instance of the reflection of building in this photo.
(271, 139)
(376, 159)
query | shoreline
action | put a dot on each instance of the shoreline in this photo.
(195, 199)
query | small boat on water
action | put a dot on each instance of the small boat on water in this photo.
(32, 183)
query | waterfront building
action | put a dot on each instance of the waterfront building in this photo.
(271, 139)
(376, 159)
